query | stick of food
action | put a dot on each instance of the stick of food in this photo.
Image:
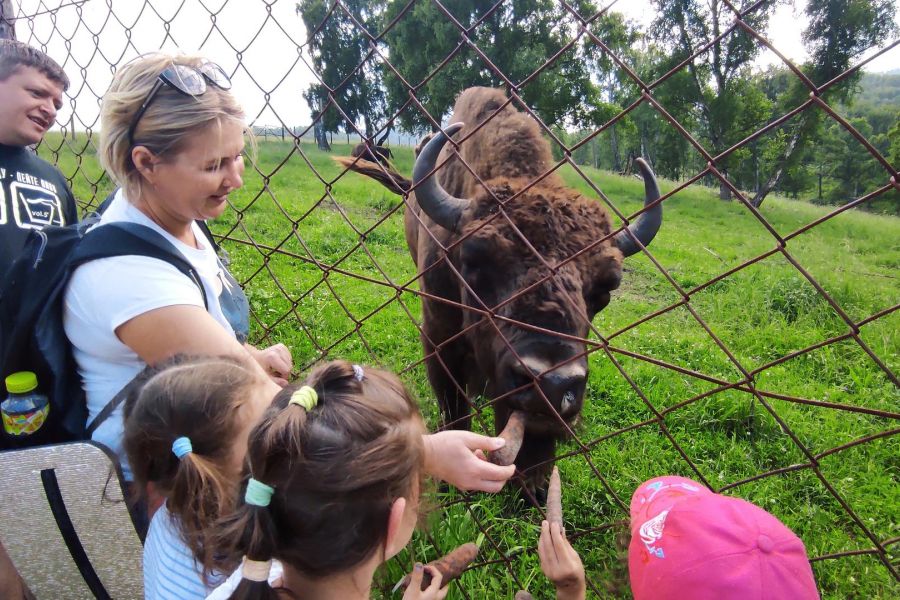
(513, 433)
(554, 499)
(451, 566)
(523, 595)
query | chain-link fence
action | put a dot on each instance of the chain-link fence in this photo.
(750, 348)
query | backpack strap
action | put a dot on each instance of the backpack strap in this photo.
(133, 239)
(129, 239)
(108, 410)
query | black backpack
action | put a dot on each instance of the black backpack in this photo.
(32, 337)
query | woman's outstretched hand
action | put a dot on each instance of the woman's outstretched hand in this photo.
(276, 361)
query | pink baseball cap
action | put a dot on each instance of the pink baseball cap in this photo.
(687, 542)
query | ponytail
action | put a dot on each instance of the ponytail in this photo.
(252, 522)
(336, 453)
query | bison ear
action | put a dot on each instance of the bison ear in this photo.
(597, 294)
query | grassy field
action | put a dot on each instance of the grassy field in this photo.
(292, 219)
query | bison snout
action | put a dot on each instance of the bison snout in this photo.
(565, 392)
(562, 386)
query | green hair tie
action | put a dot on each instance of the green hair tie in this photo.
(305, 397)
(258, 493)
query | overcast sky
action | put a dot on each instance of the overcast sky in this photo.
(259, 46)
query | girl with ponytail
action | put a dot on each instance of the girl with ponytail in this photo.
(186, 426)
(333, 490)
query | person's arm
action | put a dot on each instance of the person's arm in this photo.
(561, 563)
(457, 457)
(179, 329)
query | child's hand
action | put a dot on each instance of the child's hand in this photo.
(432, 592)
(561, 563)
(457, 457)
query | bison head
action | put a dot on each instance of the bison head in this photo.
(537, 262)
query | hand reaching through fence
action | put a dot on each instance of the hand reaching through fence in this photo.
(457, 457)
(433, 591)
(561, 563)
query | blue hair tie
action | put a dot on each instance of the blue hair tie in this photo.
(258, 493)
(182, 446)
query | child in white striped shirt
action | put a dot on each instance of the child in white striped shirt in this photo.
(186, 427)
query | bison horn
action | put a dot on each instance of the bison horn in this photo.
(647, 224)
(444, 209)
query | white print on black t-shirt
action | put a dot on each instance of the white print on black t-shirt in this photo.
(36, 206)
(35, 202)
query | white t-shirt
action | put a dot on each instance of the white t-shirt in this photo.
(106, 293)
(170, 571)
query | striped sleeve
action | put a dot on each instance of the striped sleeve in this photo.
(170, 571)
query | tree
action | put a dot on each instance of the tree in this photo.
(717, 78)
(852, 170)
(839, 31)
(517, 37)
(894, 139)
(339, 48)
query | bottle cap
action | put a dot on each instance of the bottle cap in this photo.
(21, 382)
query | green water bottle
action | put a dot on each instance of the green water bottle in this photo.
(25, 409)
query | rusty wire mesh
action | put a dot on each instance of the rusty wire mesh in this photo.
(292, 278)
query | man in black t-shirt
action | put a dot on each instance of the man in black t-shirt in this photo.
(33, 193)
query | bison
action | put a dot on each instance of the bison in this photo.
(376, 153)
(514, 265)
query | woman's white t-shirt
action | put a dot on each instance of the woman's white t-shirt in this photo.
(106, 293)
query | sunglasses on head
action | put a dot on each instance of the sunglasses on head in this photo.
(190, 81)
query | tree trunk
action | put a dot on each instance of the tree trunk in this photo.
(724, 190)
(614, 145)
(7, 24)
(781, 162)
(820, 185)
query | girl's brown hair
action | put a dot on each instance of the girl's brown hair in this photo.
(200, 398)
(336, 471)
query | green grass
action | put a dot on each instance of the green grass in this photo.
(760, 313)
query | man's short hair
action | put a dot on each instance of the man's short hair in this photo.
(15, 54)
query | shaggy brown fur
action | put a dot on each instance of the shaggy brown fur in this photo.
(506, 150)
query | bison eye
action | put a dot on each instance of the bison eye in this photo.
(489, 109)
(477, 254)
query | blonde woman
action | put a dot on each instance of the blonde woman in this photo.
(172, 137)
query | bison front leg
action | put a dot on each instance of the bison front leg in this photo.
(535, 462)
(447, 377)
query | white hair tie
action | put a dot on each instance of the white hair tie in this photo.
(256, 570)
(358, 372)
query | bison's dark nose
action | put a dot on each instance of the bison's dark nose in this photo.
(564, 391)
(563, 386)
